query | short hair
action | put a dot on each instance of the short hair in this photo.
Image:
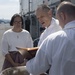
(66, 7)
(44, 7)
(13, 17)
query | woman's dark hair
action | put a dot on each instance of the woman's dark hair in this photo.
(13, 17)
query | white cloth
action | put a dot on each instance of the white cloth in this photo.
(11, 40)
(54, 26)
(57, 50)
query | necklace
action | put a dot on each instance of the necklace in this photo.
(17, 33)
(17, 36)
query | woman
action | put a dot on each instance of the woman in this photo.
(12, 38)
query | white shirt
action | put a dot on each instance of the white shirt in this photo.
(57, 50)
(54, 26)
(12, 39)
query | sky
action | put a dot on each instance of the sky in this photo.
(8, 8)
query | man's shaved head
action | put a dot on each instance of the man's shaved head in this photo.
(66, 7)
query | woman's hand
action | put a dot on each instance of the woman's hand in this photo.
(16, 64)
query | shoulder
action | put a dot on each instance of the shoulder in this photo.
(55, 39)
(8, 31)
(25, 31)
(57, 36)
(56, 24)
(55, 21)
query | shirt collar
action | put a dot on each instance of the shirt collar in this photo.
(70, 25)
(53, 23)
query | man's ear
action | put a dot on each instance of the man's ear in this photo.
(50, 13)
(63, 16)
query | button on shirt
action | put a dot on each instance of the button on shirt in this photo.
(54, 26)
(57, 50)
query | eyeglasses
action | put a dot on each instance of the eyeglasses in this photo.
(18, 22)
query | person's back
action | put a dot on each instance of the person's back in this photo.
(63, 48)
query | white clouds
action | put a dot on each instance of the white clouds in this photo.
(7, 9)
(7, 12)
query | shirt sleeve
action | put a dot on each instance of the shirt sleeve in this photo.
(39, 64)
(4, 45)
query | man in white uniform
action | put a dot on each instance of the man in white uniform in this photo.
(44, 15)
(58, 49)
